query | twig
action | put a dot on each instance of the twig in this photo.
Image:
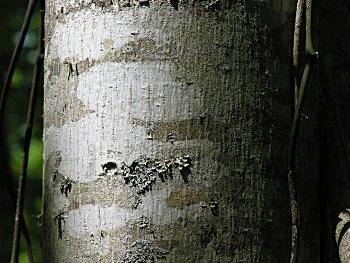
(26, 143)
(311, 59)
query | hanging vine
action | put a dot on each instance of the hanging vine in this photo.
(300, 91)
(20, 225)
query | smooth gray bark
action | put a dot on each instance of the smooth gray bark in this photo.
(166, 131)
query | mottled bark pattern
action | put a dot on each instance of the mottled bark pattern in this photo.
(166, 131)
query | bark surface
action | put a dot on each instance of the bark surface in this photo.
(166, 131)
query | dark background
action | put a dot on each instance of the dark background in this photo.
(11, 17)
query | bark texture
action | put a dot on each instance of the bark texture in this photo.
(166, 131)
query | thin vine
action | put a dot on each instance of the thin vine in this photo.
(29, 122)
(311, 59)
(3, 100)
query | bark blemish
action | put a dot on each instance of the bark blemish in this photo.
(106, 193)
(182, 197)
(51, 165)
(143, 250)
(59, 219)
(202, 118)
(66, 185)
(214, 206)
(143, 172)
(63, 80)
(146, 245)
(107, 43)
(139, 48)
(171, 137)
(144, 3)
(175, 4)
(110, 167)
(188, 129)
(143, 222)
(137, 202)
(72, 69)
(208, 234)
(103, 233)
(209, 4)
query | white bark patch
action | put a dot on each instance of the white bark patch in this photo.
(143, 91)
(94, 218)
(72, 34)
(91, 34)
(121, 95)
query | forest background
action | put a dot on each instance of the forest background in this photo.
(12, 15)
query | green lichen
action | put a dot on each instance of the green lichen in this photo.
(143, 222)
(142, 251)
(137, 202)
(143, 172)
(140, 174)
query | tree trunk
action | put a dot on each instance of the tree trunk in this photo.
(166, 129)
